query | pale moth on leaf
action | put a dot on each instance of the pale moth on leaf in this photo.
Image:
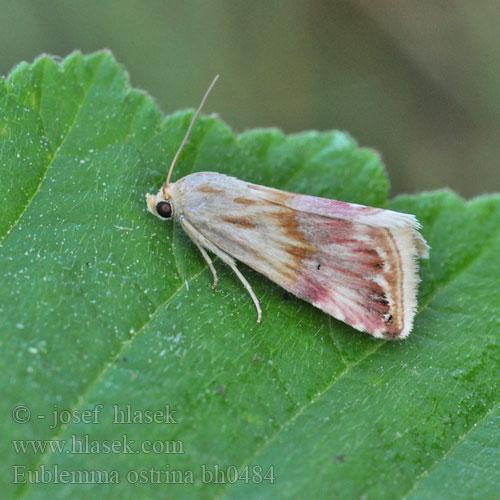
(356, 263)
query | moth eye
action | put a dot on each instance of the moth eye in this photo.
(164, 209)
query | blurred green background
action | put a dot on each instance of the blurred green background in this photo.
(417, 80)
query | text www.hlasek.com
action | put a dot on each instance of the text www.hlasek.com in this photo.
(85, 445)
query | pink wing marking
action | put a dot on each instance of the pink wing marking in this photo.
(357, 275)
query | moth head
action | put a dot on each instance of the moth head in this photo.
(161, 204)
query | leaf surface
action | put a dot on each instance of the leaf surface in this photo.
(102, 304)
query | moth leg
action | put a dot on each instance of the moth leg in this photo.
(246, 284)
(201, 242)
(209, 262)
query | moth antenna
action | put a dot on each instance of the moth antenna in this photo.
(186, 137)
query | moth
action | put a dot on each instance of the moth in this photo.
(357, 263)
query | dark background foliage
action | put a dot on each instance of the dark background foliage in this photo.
(418, 81)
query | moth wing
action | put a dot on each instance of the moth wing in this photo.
(356, 263)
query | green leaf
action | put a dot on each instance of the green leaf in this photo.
(103, 304)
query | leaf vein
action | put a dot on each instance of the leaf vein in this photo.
(54, 156)
(348, 368)
(445, 455)
(81, 400)
(299, 412)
